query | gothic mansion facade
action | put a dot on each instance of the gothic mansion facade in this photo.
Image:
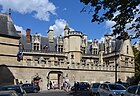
(65, 58)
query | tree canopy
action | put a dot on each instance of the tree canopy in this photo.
(122, 12)
(137, 64)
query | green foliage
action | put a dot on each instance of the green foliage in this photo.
(136, 78)
(121, 12)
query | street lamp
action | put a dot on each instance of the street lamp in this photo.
(116, 65)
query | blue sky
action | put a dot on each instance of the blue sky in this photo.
(42, 15)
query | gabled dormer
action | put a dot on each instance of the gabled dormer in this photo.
(36, 40)
(60, 44)
(108, 43)
(95, 47)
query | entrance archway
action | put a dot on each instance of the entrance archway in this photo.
(56, 77)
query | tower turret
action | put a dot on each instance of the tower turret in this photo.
(66, 29)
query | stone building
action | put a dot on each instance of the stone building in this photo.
(64, 58)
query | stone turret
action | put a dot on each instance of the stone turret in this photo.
(66, 39)
(75, 40)
(66, 30)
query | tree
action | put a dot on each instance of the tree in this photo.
(137, 65)
(136, 78)
(122, 12)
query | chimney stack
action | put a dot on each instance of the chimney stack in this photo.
(28, 36)
(50, 36)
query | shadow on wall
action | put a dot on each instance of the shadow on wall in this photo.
(6, 76)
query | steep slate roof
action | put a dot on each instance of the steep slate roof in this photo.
(118, 45)
(44, 41)
(7, 27)
(23, 41)
(89, 48)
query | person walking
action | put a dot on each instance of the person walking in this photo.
(75, 87)
(53, 85)
(50, 85)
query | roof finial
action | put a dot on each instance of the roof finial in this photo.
(66, 23)
(9, 11)
(66, 26)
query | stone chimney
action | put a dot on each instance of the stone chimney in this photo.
(50, 36)
(28, 36)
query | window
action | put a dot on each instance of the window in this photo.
(95, 51)
(60, 60)
(83, 61)
(36, 46)
(107, 49)
(95, 62)
(83, 50)
(104, 86)
(107, 62)
(126, 61)
(72, 56)
(132, 90)
(127, 49)
(60, 48)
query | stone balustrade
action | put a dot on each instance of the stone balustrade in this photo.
(67, 65)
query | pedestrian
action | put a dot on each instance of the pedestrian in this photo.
(75, 86)
(119, 81)
(139, 83)
(53, 85)
(66, 86)
(26, 82)
(50, 85)
(20, 82)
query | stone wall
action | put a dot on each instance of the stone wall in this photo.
(27, 73)
(8, 50)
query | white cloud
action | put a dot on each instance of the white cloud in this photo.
(109, 24)
(101, 39)
(64, 9)
(42, 9)
(90, 40)
(19, 28)
(59, 26)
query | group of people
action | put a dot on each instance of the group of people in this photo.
(66, 86)
(50, 85)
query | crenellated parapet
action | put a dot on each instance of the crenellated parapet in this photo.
(75, 33)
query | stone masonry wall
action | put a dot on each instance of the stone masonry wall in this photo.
(26, 74)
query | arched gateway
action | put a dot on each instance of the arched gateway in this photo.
(56, 77)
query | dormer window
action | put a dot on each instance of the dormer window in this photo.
(60, 48)
(36, 46)
(36, 42)
(95, 51)
(83, 49)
